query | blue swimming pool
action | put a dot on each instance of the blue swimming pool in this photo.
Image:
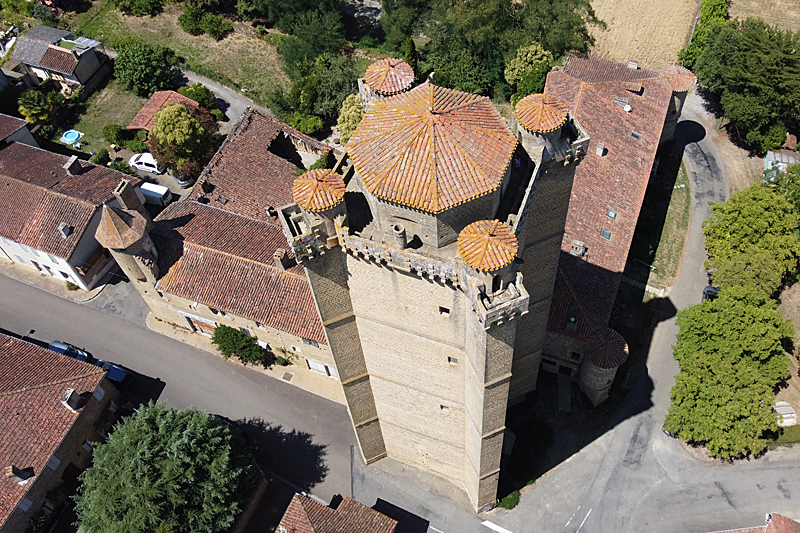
(70, 136)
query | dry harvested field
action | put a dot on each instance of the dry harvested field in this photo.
(648, 31)
(782, 13)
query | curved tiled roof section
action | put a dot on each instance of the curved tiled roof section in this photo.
(680, 78)
(389, 76)
(487, 245)
(541, 113)
(318, 190)
(432, 148)
(119, 228)
(605, 348)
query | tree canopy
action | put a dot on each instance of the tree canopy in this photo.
(165, 470)
(143, 68)
(755, 69)
(731, 358)
(34, 105)
(350, 117)
(755, 219)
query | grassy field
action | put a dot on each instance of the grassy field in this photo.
(782, 13)
(673, 236)
(240, 60)
(648, 31)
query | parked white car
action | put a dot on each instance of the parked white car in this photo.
(146, 162)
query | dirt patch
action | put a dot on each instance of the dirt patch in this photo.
(782, 13)
(648, 31)
(790, 309)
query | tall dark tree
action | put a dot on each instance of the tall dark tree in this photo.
(143, 68)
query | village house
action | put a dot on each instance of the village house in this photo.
(305, 515)
(628, 112)
(52, 414)
(50, 53)
(221, 257)
(144, 119)
(50, 210)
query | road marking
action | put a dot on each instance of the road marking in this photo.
(433, 528)
(495, 527)
(573, 516)
(584, 520)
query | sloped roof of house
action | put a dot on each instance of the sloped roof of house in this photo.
(304, 515)
(34, 422)
(10, 125)
(248, 172)
(48, 34)
(487, 245)
(618, 180)
(59, 60)
(389, 76)
(777, 524)
(541, 113)
(34, 45)
(225, 260)
(432, 148)
(144, 118)
(120, 228)
(318, 190)
(29, 51)
(37, 195)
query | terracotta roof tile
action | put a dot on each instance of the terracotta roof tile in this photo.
(680, 78)
(10, 125)
(144, 118)
(318, 190)
(225, 260)
(541, 113)
(389, 76)
(120, 228)
(304, 515)
(616, 181)
(432, 148)
(34, 422)
(605, 348)
(487, 245)
(566, 316)
(781, 524)
(59, 60)
(248, 172)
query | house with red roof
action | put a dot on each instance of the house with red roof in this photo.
(51, 408)
(774, 523)
(628, 112)
(144, 119)
(305, 515)
(49, 210)
(221, 257)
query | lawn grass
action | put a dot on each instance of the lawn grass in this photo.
(109, 105)
(240, 60)
(788, 435)
(673, 236)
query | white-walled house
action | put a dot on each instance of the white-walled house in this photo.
(49, 211)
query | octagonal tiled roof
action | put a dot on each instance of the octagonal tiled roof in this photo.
(487, 245)
(389, 76)
(681, 78)
(605, 348)
(541, 113)
(318, 190)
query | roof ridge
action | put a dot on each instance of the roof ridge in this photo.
(50, 384)
(576, 300)
(228, 254)
(209, 206)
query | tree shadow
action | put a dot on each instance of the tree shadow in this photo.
(292, 455)
(407, 522)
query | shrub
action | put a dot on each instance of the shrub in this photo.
(144, 69)
(215, 26)
(101, 157)
(308, 124)
(71, 286)
(231, 342)
(140, 8)
(42, 13)
(135, 145)
(190, 20)
(281, 361)
(200, 94)
(526, 58)
(350, 116)
(218, 115)
(113, 133)
(122, 166)
(46, 132)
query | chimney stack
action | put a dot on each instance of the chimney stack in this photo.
(18, 476)
(65, 229)
(400, 238)
(280, 259)
(633, 65)
(126, 196)
(601, 149)
(73, 166)
(72, 400)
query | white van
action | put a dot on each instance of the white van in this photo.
(156, 194)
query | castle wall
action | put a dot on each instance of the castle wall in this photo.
(595, 382)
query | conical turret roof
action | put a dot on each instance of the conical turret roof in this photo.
(432, 148)
(487, 245)
(120, 228)
(318, 190)
(605, 348)
(389, 76)
(680, 78)
(541, 113)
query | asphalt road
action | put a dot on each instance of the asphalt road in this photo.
(634, 478)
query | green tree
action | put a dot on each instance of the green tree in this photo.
(786, 183)
(101, 157)
(411, 56)
(755, 219)
(232, 342)
(144, 69)
(140, 8)
(532, 82)
(731, 358)
(527, 57)
(200, 94)
(165, 470)
(190, 20)
(457, 68)
(350, 116)
(755, 269)
(712, 12)
(122, 166)
(400, 18)
(315, 33)
(43, 14)
(34, 105)
(178, 132)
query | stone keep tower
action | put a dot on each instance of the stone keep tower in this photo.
(413, 259)
(125, 232)
(682, 80)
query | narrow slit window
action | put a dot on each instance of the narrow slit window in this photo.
(636, 136)
(444, 311)
(452, 360)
